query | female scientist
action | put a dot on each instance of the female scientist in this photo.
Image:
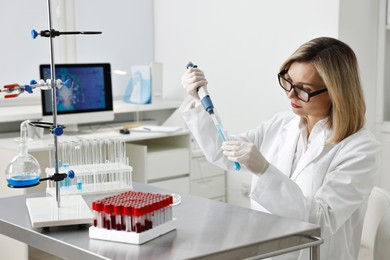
(317, 163)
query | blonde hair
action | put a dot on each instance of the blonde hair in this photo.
(337, 66)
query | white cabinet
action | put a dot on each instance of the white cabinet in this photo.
(162, 162)
(207, 180)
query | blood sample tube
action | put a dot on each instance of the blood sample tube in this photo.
(95, 214)
(160, 210)
(153, 211)
(147, 215)
(127, 211)
(99, 214)
(170, 202)
(123, 215)
(118, 211)
(107, 215)
(167, 209)
(138, 223)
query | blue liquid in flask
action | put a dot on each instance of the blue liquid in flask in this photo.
(23, 180)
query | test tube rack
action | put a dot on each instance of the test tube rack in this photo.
(100, 166)
(94, 178)
(132, 217)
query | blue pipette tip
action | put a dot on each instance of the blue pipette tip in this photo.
(238, 166)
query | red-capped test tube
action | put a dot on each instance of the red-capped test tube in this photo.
(118, 211)
(94, 213)
(108, 216)
(99, 214)
(128, 212)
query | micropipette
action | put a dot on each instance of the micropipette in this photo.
(209, 107)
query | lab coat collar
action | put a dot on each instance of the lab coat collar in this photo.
(318, 145)
(288, 147)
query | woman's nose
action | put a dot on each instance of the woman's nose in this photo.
(291, 94)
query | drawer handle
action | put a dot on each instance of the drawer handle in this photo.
(204, 181)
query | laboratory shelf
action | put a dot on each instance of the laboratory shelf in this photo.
(158, 104)
(13, 113)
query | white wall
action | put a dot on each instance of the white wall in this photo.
(20, 55)
(240, 45)
(358, 26)
(127, 37)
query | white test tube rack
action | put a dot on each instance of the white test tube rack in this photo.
(94, 178)
(100, 166)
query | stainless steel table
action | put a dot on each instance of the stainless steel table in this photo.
(206, 229)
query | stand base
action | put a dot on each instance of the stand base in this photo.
(132, 237)
(44, 211)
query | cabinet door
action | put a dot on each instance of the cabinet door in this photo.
(209, 187)
(179, 185)
(165, 162)
(201, 168)
(160, 165)
(137, 155)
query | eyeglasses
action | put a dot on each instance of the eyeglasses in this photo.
(299, 90)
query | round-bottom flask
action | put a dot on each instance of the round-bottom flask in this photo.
(24, 170)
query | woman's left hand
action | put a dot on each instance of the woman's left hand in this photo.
(246, 154)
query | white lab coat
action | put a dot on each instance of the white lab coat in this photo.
(329, 187)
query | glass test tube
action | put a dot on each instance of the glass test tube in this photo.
(118, 211)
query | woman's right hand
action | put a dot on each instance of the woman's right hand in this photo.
(192, 79)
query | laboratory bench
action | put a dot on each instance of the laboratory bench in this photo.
(205, 229)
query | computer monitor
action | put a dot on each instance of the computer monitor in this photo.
(88, 99)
